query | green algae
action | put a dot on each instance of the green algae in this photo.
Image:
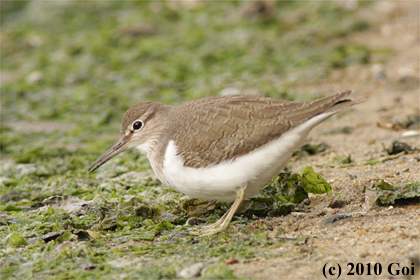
(314, 183)
(388, 194)
(15, 240)
(285, 193)
(218, 271)
(11, 208)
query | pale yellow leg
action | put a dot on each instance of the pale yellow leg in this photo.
(225, 220)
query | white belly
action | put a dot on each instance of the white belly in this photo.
(252, 170)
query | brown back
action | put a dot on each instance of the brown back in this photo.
(215, 129)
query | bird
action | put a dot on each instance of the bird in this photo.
(221, 147)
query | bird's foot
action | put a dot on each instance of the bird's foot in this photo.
(225, 220)
(212, 229)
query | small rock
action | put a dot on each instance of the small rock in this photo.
(194, 221)
(34, 77)
(297, 214)
(360, 232)
(65, 244)
(364, 254)
(387, 229)
(146, 211)
(231, 261)
(4, 213)
(306, 201)
(52, 235)
(378, 71)
(168, 216)
(408, 82)
(339, 203)
(71, 204)
(192, 270)
(398, 147)
(229, 91)
(336, 218)
(82, 235)
(410, 133)
(109, 223)
(371, 142)
(88, 266)
(313, 149)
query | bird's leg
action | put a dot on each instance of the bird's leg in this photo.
(225, 220)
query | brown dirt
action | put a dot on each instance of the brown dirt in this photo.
(373, 234)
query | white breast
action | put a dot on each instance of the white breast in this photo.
(252, 170)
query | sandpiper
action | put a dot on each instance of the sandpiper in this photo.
(221, 147)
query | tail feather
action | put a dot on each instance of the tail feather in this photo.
(342, 104)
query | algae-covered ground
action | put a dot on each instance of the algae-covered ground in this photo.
(70, 69)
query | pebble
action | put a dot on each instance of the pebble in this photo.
(191, 271)
(336, 218)
(229, 91)
(410, 133)
(194, 221)
(34, 77)
(361, 232)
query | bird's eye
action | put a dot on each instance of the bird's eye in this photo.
(137, 125)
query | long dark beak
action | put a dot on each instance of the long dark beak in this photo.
(112, 152)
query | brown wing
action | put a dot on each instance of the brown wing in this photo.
(216, 129)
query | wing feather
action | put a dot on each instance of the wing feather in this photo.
(216, 129)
